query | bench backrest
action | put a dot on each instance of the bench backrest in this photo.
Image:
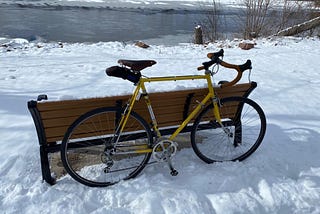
(53, 118)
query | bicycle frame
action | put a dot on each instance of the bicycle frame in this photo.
(141, 90)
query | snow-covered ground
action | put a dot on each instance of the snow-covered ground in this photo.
(282, 176)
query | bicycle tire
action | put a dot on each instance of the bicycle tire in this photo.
(246, 123)
(88, 137)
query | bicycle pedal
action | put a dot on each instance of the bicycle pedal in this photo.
(174, 172)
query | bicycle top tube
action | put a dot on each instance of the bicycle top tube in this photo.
(174, 78)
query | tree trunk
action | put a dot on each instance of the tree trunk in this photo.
(198, 35)
(300, 27)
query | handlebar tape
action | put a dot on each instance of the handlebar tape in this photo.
(246, 65)
(216, 54)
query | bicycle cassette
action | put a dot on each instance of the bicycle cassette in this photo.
(164, 150)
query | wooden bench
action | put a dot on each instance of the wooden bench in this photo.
(52, 118)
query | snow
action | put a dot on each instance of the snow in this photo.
(282, 176)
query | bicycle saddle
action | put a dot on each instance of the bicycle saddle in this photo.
(137, 65)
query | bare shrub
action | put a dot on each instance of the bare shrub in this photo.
(210, 24)
(264, 19)
(261, 17)
(295, 12)
(256, 13)
(286, 13)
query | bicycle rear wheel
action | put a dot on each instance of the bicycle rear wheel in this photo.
(94, 155)
(244, 128)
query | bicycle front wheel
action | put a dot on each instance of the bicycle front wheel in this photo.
(96, 155)
(244, 126)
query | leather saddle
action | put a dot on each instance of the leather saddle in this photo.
(136, 65)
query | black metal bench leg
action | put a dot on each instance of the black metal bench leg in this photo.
(45, 167)
(238, 134)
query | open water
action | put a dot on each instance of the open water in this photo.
(79, 24)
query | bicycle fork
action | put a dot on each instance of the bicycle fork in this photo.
(216, 103)
(217, 115)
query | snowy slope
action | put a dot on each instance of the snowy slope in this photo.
(282, 176)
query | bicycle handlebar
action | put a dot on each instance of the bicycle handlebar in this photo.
(216, 60)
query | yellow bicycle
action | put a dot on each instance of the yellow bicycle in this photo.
(122, 142)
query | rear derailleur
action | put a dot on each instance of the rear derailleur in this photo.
(107, 160)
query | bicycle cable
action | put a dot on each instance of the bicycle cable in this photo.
(249, 75)
(213, 71)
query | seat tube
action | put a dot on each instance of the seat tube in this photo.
(215, 100)
(151, 113)
(129, 108)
